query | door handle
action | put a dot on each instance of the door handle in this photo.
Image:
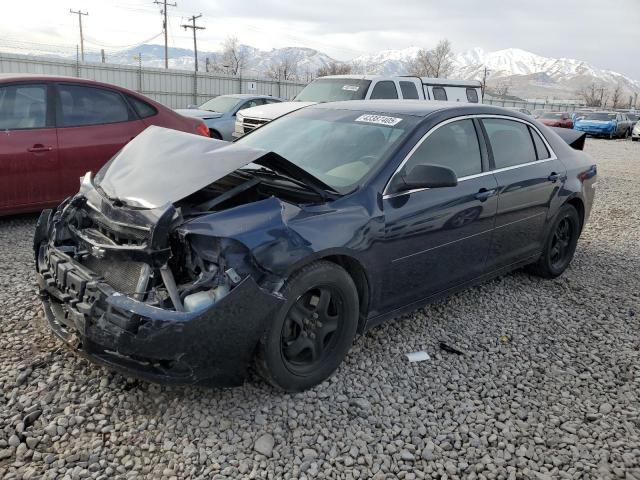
(38, 148)
(554, 177)
(484, 193)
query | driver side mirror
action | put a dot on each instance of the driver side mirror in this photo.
(425, 176)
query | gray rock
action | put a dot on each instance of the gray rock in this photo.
(264, 445)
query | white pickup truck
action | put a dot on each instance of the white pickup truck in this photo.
(361, 87)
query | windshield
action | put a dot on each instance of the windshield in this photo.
(338, 147)
(600, 116)
(221, 104)
(334, 90)
(551, 115)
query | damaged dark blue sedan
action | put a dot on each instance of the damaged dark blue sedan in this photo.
(185, 259)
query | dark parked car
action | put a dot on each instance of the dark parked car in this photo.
(56, 129)
(219, 113)
(185, 259)
(557, 119)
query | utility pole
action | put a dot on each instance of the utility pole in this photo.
(194, 27)
(164, 27)
(80, 13)
(484, 80)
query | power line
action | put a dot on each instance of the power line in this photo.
(195, 28)
(80, 14)
(94, 42)
(164, 26)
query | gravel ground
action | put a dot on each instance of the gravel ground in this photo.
(548, 386)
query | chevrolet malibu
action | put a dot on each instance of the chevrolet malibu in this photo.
(187, 259)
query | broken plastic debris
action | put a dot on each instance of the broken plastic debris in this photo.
(449, 348)
(418, 356)
(504, 339)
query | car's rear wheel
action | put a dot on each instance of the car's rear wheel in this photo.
(560, 244)
(313, 331)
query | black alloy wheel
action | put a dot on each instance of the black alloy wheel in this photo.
(313, 330)
(560, 245)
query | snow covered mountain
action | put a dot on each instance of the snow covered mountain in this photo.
(527, 74)
(258, 61)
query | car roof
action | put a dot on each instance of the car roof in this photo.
(417, 108)
(426, 80)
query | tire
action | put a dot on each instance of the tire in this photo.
(215, 134)
(313, 331)
(560, 244)
(634, 139)
(626, 134)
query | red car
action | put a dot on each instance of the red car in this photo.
(53, 130)
(556, 119)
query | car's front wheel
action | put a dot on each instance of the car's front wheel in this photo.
(313, 331)
(560, 244)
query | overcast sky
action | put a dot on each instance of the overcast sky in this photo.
(604, 33)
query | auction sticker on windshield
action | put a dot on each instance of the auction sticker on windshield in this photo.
(350, 88)
(379, 119)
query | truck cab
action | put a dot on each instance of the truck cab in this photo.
(336, 88)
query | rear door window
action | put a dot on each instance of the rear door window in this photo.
(511, 142)
(82, 105)
(384, 89)
(409, 91)
(454, 145)
(472, 95)
(23, 107)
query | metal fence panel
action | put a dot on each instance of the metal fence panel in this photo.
(173, 88)
(543, 105)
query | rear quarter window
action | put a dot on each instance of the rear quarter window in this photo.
(472, 95)
(142, 108)
(542, 152)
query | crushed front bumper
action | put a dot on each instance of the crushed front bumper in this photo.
(212, 347)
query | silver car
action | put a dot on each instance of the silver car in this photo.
(219, 113)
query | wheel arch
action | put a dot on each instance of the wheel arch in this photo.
(356, 271)
(215, 133)
(576, 202)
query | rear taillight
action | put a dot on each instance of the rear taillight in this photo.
(202, 129)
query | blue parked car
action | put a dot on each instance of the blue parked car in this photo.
(219, 113)
(604, 124)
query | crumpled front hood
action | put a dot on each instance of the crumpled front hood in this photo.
(163, 166)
